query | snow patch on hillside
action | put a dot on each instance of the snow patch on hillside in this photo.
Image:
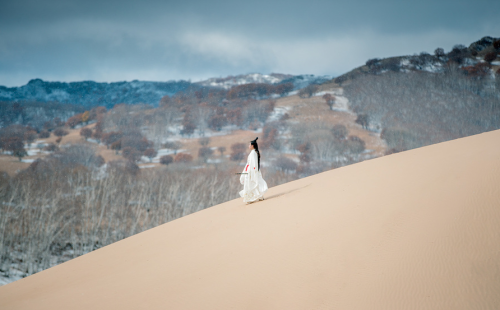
(278, 113)
(231, 81)
(341, 103)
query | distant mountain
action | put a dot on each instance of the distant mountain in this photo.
(90, 93)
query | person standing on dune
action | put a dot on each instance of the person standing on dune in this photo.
(254, 185)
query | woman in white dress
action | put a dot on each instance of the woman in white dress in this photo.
(254, 185)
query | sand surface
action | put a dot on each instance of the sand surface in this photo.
(414, 230)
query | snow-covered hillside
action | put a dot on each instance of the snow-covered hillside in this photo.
(241, 79)
(298, 81)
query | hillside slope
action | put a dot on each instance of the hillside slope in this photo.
(413, 230)
(424, 62)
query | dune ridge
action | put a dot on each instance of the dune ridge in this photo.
(413, 230)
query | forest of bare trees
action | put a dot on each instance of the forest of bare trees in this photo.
(35, 114)
(70, 203)
(415, 109)
(325, 146)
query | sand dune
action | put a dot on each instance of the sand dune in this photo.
(414, 230)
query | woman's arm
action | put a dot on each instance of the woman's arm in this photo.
(252, 167)
(245, 170)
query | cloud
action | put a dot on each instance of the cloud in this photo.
(230, 49)
(162, 40)
(334, 54)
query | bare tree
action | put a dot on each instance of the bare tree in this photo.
(308, 91)
(439, 52)
(15, 145)
(205, 153)
(204, 141)
(86, 133)
(131, 154)
(150, 153)
(51, 147)
(490, 57)
(362, 119)
(166, 160)
(285, 164)
(116, 146)
(340, 132)
(44, 134)
(30, 136)
(60, 132)
(238, 151)
(173, 146)
(329, 100)
(221, 150)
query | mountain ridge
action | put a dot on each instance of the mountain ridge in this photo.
(91, 93)
(461, 55)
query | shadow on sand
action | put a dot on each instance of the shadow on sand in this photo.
(279, 194)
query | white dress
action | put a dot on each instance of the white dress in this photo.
(254, 185)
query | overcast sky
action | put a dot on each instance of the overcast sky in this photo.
(63, 40)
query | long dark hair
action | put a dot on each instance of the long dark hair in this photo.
(256, 148)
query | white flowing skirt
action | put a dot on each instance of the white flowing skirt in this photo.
(253, 190)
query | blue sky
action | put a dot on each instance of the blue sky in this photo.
(60, 40)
